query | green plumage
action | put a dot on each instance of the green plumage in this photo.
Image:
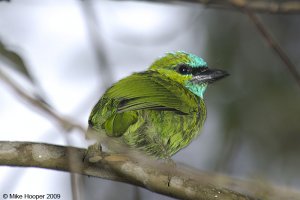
(155, 111)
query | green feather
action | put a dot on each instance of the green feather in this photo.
(151, 90)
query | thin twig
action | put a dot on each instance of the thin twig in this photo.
(274, 45)
(40, 105)
(262, 6)
(97, 42)
(284, 7)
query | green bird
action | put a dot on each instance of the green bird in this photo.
(158, 111)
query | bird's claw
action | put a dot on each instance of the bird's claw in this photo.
(93, 153)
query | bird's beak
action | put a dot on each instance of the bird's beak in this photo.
(209, 76)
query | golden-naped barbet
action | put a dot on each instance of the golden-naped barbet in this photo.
(158, 111)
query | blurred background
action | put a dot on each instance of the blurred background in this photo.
(75, 49)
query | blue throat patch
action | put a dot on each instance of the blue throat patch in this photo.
(196, 89)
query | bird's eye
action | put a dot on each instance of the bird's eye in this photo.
(183, 69)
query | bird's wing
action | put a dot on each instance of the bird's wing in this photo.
(151, 90)
(104, 117)
(117, 110)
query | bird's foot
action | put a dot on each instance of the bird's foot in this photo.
(93, 153)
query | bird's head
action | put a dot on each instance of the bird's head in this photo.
(188, 70)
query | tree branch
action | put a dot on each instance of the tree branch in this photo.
(42, 106)
(262, 6)
(182, 182)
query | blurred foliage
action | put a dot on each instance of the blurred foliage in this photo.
(15, 61)
(262, 110)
